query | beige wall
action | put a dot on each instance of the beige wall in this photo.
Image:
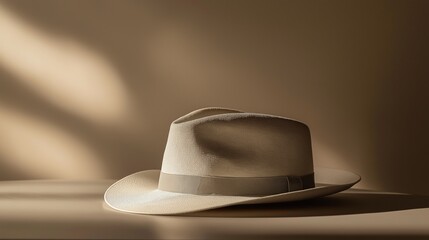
(88, 88)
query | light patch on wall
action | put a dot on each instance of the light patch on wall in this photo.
(44, 151)
(62, 71)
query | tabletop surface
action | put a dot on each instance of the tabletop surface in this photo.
(76, 209)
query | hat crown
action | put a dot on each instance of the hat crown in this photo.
(229, 143)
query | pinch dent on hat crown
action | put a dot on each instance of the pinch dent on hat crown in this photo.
(227, 142)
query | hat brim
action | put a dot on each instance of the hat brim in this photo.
(138, 193)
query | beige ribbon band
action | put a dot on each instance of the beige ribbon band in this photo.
(233, 186)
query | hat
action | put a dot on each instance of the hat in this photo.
(216, 157)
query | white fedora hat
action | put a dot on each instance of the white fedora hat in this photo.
(218, 157)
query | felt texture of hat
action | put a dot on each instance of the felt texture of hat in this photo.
(213, 143)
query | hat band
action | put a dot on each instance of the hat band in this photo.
(233, 186)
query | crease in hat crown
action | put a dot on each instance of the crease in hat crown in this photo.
(228, 143)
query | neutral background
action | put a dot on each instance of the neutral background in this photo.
(88, 88)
